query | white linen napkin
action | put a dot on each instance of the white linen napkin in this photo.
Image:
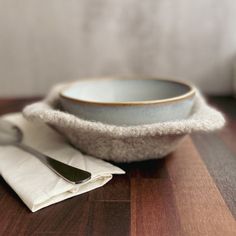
(35, 183)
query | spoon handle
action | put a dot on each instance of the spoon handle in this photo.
(67, 172)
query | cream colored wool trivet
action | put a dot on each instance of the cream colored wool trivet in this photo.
(123, 143)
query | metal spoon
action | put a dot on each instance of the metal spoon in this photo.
(10, 134)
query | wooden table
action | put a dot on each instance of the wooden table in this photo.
(190, 192)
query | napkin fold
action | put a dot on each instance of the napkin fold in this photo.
(35, 183)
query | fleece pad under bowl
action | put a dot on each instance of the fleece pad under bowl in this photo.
(123, 143)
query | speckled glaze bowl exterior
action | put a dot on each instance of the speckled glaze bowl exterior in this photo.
(128, 101)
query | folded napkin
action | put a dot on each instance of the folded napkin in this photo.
(35, 183)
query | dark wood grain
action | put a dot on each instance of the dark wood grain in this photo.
(218, 151)
(221, 163)
(190, 192)
(118, 189)
(8, 105)
(153, 208)
(109, 218)
(200, 205)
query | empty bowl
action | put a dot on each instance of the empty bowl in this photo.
(121, 101)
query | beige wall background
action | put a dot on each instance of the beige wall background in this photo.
(45, 42)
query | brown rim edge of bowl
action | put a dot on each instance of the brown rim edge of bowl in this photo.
(189, 94)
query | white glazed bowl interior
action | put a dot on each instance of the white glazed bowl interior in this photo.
(125, 90)
(128, 101)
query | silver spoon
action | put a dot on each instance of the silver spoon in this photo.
(10, 134)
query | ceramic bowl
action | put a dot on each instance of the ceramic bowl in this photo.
(121, 101)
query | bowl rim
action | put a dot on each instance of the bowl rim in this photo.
(189, 94)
